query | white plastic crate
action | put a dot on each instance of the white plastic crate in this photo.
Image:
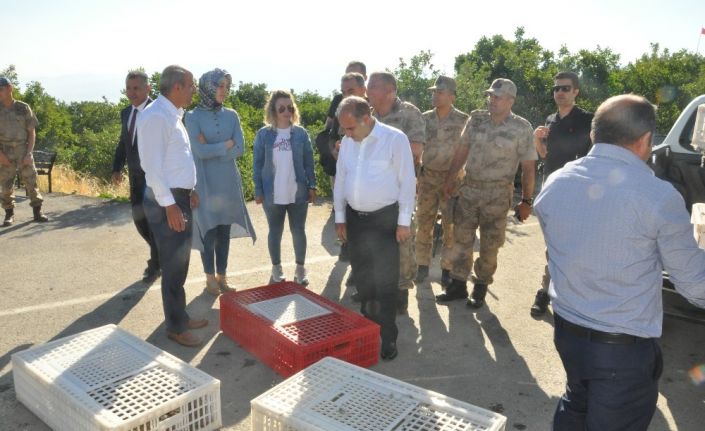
(333, 395)
(108, 379)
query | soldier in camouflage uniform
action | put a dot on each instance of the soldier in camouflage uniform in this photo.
(444, 124)
(390, 110)
(493, 144)
(17, 135)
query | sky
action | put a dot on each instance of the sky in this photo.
(82, 49)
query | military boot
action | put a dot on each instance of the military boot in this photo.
(540, 303)
(445, 278)
(457, 289)
(477, 299)
(39, 215)
(9, 217)
(421, 273)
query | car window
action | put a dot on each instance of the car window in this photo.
(686, 136)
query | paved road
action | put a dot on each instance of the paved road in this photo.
(82, 270)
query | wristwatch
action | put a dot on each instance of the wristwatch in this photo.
(529, 201)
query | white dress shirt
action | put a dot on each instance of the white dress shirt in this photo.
(375, 173)
(135, 110)
(165, 152)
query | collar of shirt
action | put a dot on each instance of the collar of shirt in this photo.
(140, 107)
(622, 154)
(168, 107)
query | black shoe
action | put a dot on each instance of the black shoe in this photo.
(150, 275)
(389, 351)
(38, 215)
(540, 303)
(421, 273)
(9, 217)
(456, 290)
(344, 255)
(477, 299)
(445, 278)
(356, 297)
(402, 301)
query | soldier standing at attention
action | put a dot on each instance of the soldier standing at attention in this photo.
(564, 138)
(493, 144)
(444, 123)
(390, 110)
(17, 135)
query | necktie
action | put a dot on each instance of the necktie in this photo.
(131, 129)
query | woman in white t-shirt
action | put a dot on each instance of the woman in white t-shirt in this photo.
(285, 182)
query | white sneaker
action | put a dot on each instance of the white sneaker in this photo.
(300, 275)
(277, 274)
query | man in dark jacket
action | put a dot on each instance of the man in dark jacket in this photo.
(137, 89)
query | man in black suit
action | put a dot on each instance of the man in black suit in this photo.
(137, 89)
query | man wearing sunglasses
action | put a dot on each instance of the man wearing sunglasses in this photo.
(564, 138)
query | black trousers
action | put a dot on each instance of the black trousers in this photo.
(374, 258)
(138, 185)
(174, 255)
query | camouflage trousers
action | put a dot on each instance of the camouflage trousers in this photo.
(407, 259)
(484, 207)
(15, 153)
(430, 199)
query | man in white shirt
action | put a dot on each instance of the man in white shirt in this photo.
(165, 157)
(374, 199)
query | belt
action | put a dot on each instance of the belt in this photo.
(181, 192)
(481, 184)
(372, 213)
(595, 335)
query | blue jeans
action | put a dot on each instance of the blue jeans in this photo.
(216, 246)
(297, 225)
(610, 386)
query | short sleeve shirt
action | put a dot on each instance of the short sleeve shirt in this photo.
(407, 118)
(496, 150)
(568, 138)
(442, 138)
(14, 122)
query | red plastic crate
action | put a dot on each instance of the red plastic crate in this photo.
(291, 347)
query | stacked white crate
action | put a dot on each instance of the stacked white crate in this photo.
(108, 379)
(333, 395)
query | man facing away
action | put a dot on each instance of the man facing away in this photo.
(611, 227)
(171, 177)
(564, 138)
(17, 134)
(374, 199)
(137, 89)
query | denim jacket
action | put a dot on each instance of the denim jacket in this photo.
(263, 169)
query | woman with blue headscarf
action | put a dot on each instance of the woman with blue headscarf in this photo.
(216, 142)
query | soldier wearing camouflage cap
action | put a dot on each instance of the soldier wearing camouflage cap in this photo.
(444, 123)
(390, 110)
(493, 144)
(17, 135)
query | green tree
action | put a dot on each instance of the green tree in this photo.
(671, 80)
(522, 60)
(54, 129)
(414, 78)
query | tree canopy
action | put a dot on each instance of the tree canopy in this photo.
(85, 133)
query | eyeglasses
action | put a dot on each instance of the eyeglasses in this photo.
(563, 88)
(283, 108)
